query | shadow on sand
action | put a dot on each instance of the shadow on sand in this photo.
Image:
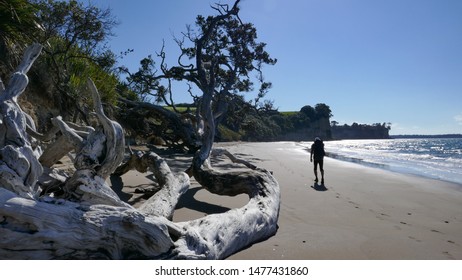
(189, 201)
(117, 185)
(319, 188)
(186, 201)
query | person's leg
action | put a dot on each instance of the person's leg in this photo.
(316, 170)
(321, 168)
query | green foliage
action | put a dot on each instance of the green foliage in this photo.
(226, 134)
(73, 37)
(233, 51)
(289, 113)
(74, 49)
(323, 111)
(284, 121)
(105, 82)
(144, 81)
(15, 15)
(255, 128)
(18, 25)
(181, 109)
(86, 27)
(309, 112)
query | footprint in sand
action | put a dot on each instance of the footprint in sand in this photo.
(354, 203)
(415, 239)
(449, 255)
(380, 216)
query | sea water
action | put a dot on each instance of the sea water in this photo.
(438, 158)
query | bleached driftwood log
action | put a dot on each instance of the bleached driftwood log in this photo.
(220, 235)
(172, 186)
(19, 167)
(80, 217)
(60, 229)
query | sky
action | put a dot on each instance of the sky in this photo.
(370, 61)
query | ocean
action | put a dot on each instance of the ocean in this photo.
(439, 158)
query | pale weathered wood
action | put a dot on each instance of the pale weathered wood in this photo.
(2, 86)
(172, 186)
(61, 146)
(115, 141)
(55, 151)
(220, 235)
(19, 167)
(60, 229)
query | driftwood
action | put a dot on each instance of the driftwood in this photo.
(47, 214)
(19, 167)
(172, 185)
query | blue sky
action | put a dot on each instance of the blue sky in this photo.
(397, 61)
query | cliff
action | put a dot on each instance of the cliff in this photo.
(319, 128)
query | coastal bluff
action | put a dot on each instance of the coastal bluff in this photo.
(319, 128)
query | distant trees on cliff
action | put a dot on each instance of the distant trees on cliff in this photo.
(360, 131)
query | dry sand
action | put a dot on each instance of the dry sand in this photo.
(362, 213)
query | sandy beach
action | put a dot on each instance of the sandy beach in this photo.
(362, 212)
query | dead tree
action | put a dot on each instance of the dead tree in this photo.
(45, 214)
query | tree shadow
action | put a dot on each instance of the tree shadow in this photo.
(224, 163)
(117, 185)
(319, 188)
(140, 192)
(188, 201)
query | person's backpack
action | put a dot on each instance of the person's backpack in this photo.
(319, 150)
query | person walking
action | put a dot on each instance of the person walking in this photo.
(318, 153)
